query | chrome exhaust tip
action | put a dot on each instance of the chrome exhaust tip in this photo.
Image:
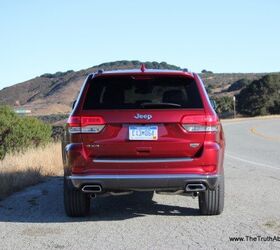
(195, 187)
(92, 189)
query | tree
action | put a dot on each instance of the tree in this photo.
(204, 71)
(240, 84)
(261, 97)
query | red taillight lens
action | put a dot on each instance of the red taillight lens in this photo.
(92, 120)
(74, 121)
(85, 124)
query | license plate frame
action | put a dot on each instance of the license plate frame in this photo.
(143, 132)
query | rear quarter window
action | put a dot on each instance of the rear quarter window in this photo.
(128, 92)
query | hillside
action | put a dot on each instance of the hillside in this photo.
(54, 93)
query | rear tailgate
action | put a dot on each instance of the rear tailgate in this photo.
(172, 139)
(130, 105)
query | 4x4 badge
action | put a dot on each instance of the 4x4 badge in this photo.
(145, 116)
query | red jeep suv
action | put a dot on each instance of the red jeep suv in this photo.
(143, 130)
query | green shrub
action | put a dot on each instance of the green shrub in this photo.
(224, 104)
(240, 84)
(20, 133)
(209, 89)
(261, 97)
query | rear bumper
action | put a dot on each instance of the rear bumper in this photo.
(144, 182)
(78, 162)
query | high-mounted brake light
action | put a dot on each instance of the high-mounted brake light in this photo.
(143, 68)
(85, 124)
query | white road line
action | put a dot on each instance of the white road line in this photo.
(251, 162)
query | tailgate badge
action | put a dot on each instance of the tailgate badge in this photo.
(194, 145)
(144, 116)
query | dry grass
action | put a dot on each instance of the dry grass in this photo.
(18, 171)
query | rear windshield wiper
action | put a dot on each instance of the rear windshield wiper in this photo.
(160, 105)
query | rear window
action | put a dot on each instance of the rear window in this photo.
(151, 93)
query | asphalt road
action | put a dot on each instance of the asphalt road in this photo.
(35, 217)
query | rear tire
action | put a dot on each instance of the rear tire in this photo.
(76, 203)
(211, 202)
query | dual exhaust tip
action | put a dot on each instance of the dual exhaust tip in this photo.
(92, 189)
(199, 187)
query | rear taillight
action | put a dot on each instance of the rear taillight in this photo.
(200, 124)
(74, 124)
(85, 124)
(200, 128)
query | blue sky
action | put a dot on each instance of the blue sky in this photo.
(223, 36)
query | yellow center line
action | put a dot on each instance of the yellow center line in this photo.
(270, 138)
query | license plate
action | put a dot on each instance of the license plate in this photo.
(143, 132)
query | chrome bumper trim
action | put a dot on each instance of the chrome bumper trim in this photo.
(142, 160)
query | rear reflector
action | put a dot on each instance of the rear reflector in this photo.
(85, 124)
